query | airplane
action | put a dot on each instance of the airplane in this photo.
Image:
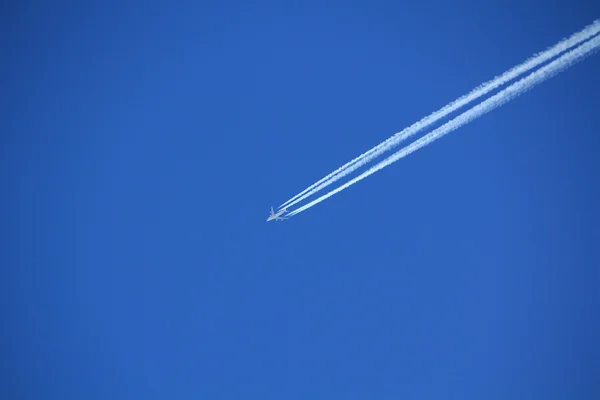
(277, 216)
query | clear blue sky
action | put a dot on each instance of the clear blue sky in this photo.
(143, 144)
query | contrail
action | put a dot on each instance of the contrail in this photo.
(481, 90)
(484, 107)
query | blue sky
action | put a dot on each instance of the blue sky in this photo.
(143, 144)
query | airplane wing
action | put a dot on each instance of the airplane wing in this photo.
(272, 210)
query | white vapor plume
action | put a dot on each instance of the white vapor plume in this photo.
(575, 39)
(480, 109)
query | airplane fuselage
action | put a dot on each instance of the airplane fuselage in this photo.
(276, 216)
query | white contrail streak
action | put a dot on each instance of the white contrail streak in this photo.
(481, 90)
(484, 107)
